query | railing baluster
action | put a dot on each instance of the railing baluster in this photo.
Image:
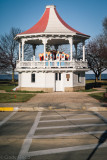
(49, 64)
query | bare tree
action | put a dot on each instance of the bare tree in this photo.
(3, 62)
(97, 55)
(9, 51)
(96, 51)
(105, 26)
(49, 48)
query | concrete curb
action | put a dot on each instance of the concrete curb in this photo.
(51, 108)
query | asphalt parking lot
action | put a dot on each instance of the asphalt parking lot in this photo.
(53, 135)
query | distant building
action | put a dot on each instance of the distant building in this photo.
(55, 71)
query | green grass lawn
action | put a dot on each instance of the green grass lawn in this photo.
(99, 96)
(93, 81)
(12, 97)
(6, 87)
(25, 91)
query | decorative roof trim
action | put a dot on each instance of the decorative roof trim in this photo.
(52, 34)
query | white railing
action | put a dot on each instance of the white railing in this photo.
(51, 64)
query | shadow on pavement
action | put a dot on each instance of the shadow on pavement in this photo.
(102, 139)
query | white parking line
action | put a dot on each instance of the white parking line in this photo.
(62, 120)
(67, 134)
(101, 117)
(65, 149)
(24, 152)
(71, 126)
(64, 115)
(27, 142)
(7, 118)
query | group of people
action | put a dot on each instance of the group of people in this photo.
(54, 55)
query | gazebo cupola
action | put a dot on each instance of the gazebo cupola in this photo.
(51, 29)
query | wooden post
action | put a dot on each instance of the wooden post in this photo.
(71, 47)
(34, 47)
(83, 50)
(23, 42)
(44, 42)
(19, 51)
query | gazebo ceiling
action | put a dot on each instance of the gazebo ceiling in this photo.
(49, 42)
(54, 41)
(51, 24)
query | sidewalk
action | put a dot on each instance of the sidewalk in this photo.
(59, 101)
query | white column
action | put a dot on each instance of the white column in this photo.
(19, 51)
(34, 47)
(44, 42)
(83, 50)
(23, 42)
(71, 47)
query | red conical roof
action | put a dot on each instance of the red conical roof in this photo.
(41, 25)
(51, 22)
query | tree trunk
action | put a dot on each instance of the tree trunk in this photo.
(12, 75)
(100, 76)
(95, 78)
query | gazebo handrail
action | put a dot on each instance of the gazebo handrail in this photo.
(50, 64)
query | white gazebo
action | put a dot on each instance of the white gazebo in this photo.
(55, 71)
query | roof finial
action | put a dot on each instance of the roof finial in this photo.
(50, 6)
